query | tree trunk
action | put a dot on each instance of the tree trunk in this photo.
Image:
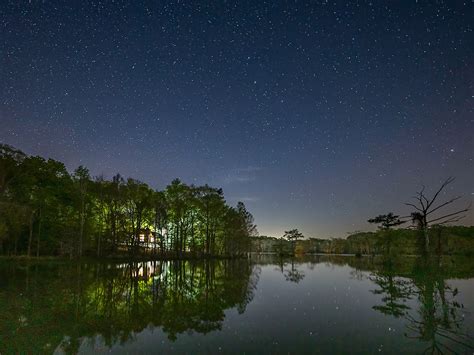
(81, 228)
(98, 244)
(114, 228)
(439, 250)
(161, 241)
(30, 238)
(427, 240)
(208, 241)
(38, 235)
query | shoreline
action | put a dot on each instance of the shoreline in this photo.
(116, 258)
(250, 255)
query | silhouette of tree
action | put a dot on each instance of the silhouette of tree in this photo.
(293, 235)
(386, 221)
(423, 217)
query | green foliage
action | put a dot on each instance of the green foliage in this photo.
(44, 210)
(293, 236)
(61, 303)
(446, 240)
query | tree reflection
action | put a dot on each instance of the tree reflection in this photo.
(117, 301)
(291, 273)
(436, 318)
(395, 292)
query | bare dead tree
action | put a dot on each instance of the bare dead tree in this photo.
(423, 217)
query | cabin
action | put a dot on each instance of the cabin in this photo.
(147, 237)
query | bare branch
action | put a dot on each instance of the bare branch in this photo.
(451, 214)
(456, 219)
(419, 199)
(457, 341)
(451, 351)
(412, 205)
(444, 204)
(422, 195)
(443, 185)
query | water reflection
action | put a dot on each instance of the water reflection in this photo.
(67, 307)
(43, 306)
(290, 270)
(437, 319)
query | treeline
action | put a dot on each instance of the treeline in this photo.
(445, 240)
(45, 210)
(428, 232)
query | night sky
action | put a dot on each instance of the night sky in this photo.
(317, 115)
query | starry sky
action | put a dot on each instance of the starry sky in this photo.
(317, 114)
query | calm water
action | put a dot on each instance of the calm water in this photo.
(263, 305)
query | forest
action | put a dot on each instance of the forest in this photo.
(445, 240)
(45, 210)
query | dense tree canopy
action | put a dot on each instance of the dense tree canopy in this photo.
(45, 210)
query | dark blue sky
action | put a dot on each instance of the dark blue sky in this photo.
(318, 115)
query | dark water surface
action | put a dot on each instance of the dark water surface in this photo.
(264, 305)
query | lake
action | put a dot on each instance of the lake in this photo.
(317, 304)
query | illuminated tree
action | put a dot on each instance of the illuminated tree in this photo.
(43, 207)
(82, 180)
